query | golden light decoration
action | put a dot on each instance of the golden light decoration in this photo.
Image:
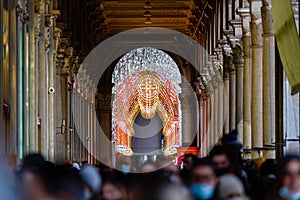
(147, 92)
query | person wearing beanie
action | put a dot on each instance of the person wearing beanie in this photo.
(230, 188)
(92, 180)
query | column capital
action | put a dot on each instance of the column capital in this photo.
(74, 66)
(219, 54)
(49, 18)
(256, 22)
(237, 51)
(228, 60)
(267, 22)
(56, 37)
(47, 2)
(56, 13)
(56, 33)
(22, 13)
(38, 10)
(63, 45)
(38, 6)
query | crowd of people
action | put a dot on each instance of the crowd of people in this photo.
(222, 175)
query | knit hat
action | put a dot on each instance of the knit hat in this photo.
(91, 177)
(229, 184)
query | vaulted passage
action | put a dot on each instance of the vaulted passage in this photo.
(103, 80)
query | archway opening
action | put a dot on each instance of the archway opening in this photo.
(146, 92)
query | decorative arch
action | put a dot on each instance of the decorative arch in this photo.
(147, 82)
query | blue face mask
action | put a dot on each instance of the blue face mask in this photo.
(125, 169)
(285, 193)
(202, 191)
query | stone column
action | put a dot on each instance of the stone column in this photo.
(42, 82)
(84, 130)
(219, 74)
(204, 122)
(226, 101)
(199, 139)
(203, 115)
(213, 85)
(52, 99)
(13, 142)
(88, 124)
(227, 85)
(64, 98)
(187, 114)
(213, 59)
(246, 38)
(268, 80)
(93, 123)
(215, 110)
(208, 120)
(2, 137)
(33, 41)
(50, 90)
(210, 111)
(232, 97)
(239, 64)
(257, 79)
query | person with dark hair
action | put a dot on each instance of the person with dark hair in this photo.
(227, 159)
(113, 189)
(203, 180)
(33, 177)
(65, 183)
(287, 184)
(187, 162)
(263, 180)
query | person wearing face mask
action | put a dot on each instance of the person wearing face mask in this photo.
(203, 180)
(227, 160)
(230, 188)
(287, 185)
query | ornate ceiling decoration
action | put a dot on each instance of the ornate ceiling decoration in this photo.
(143, 59)
(110, 17)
